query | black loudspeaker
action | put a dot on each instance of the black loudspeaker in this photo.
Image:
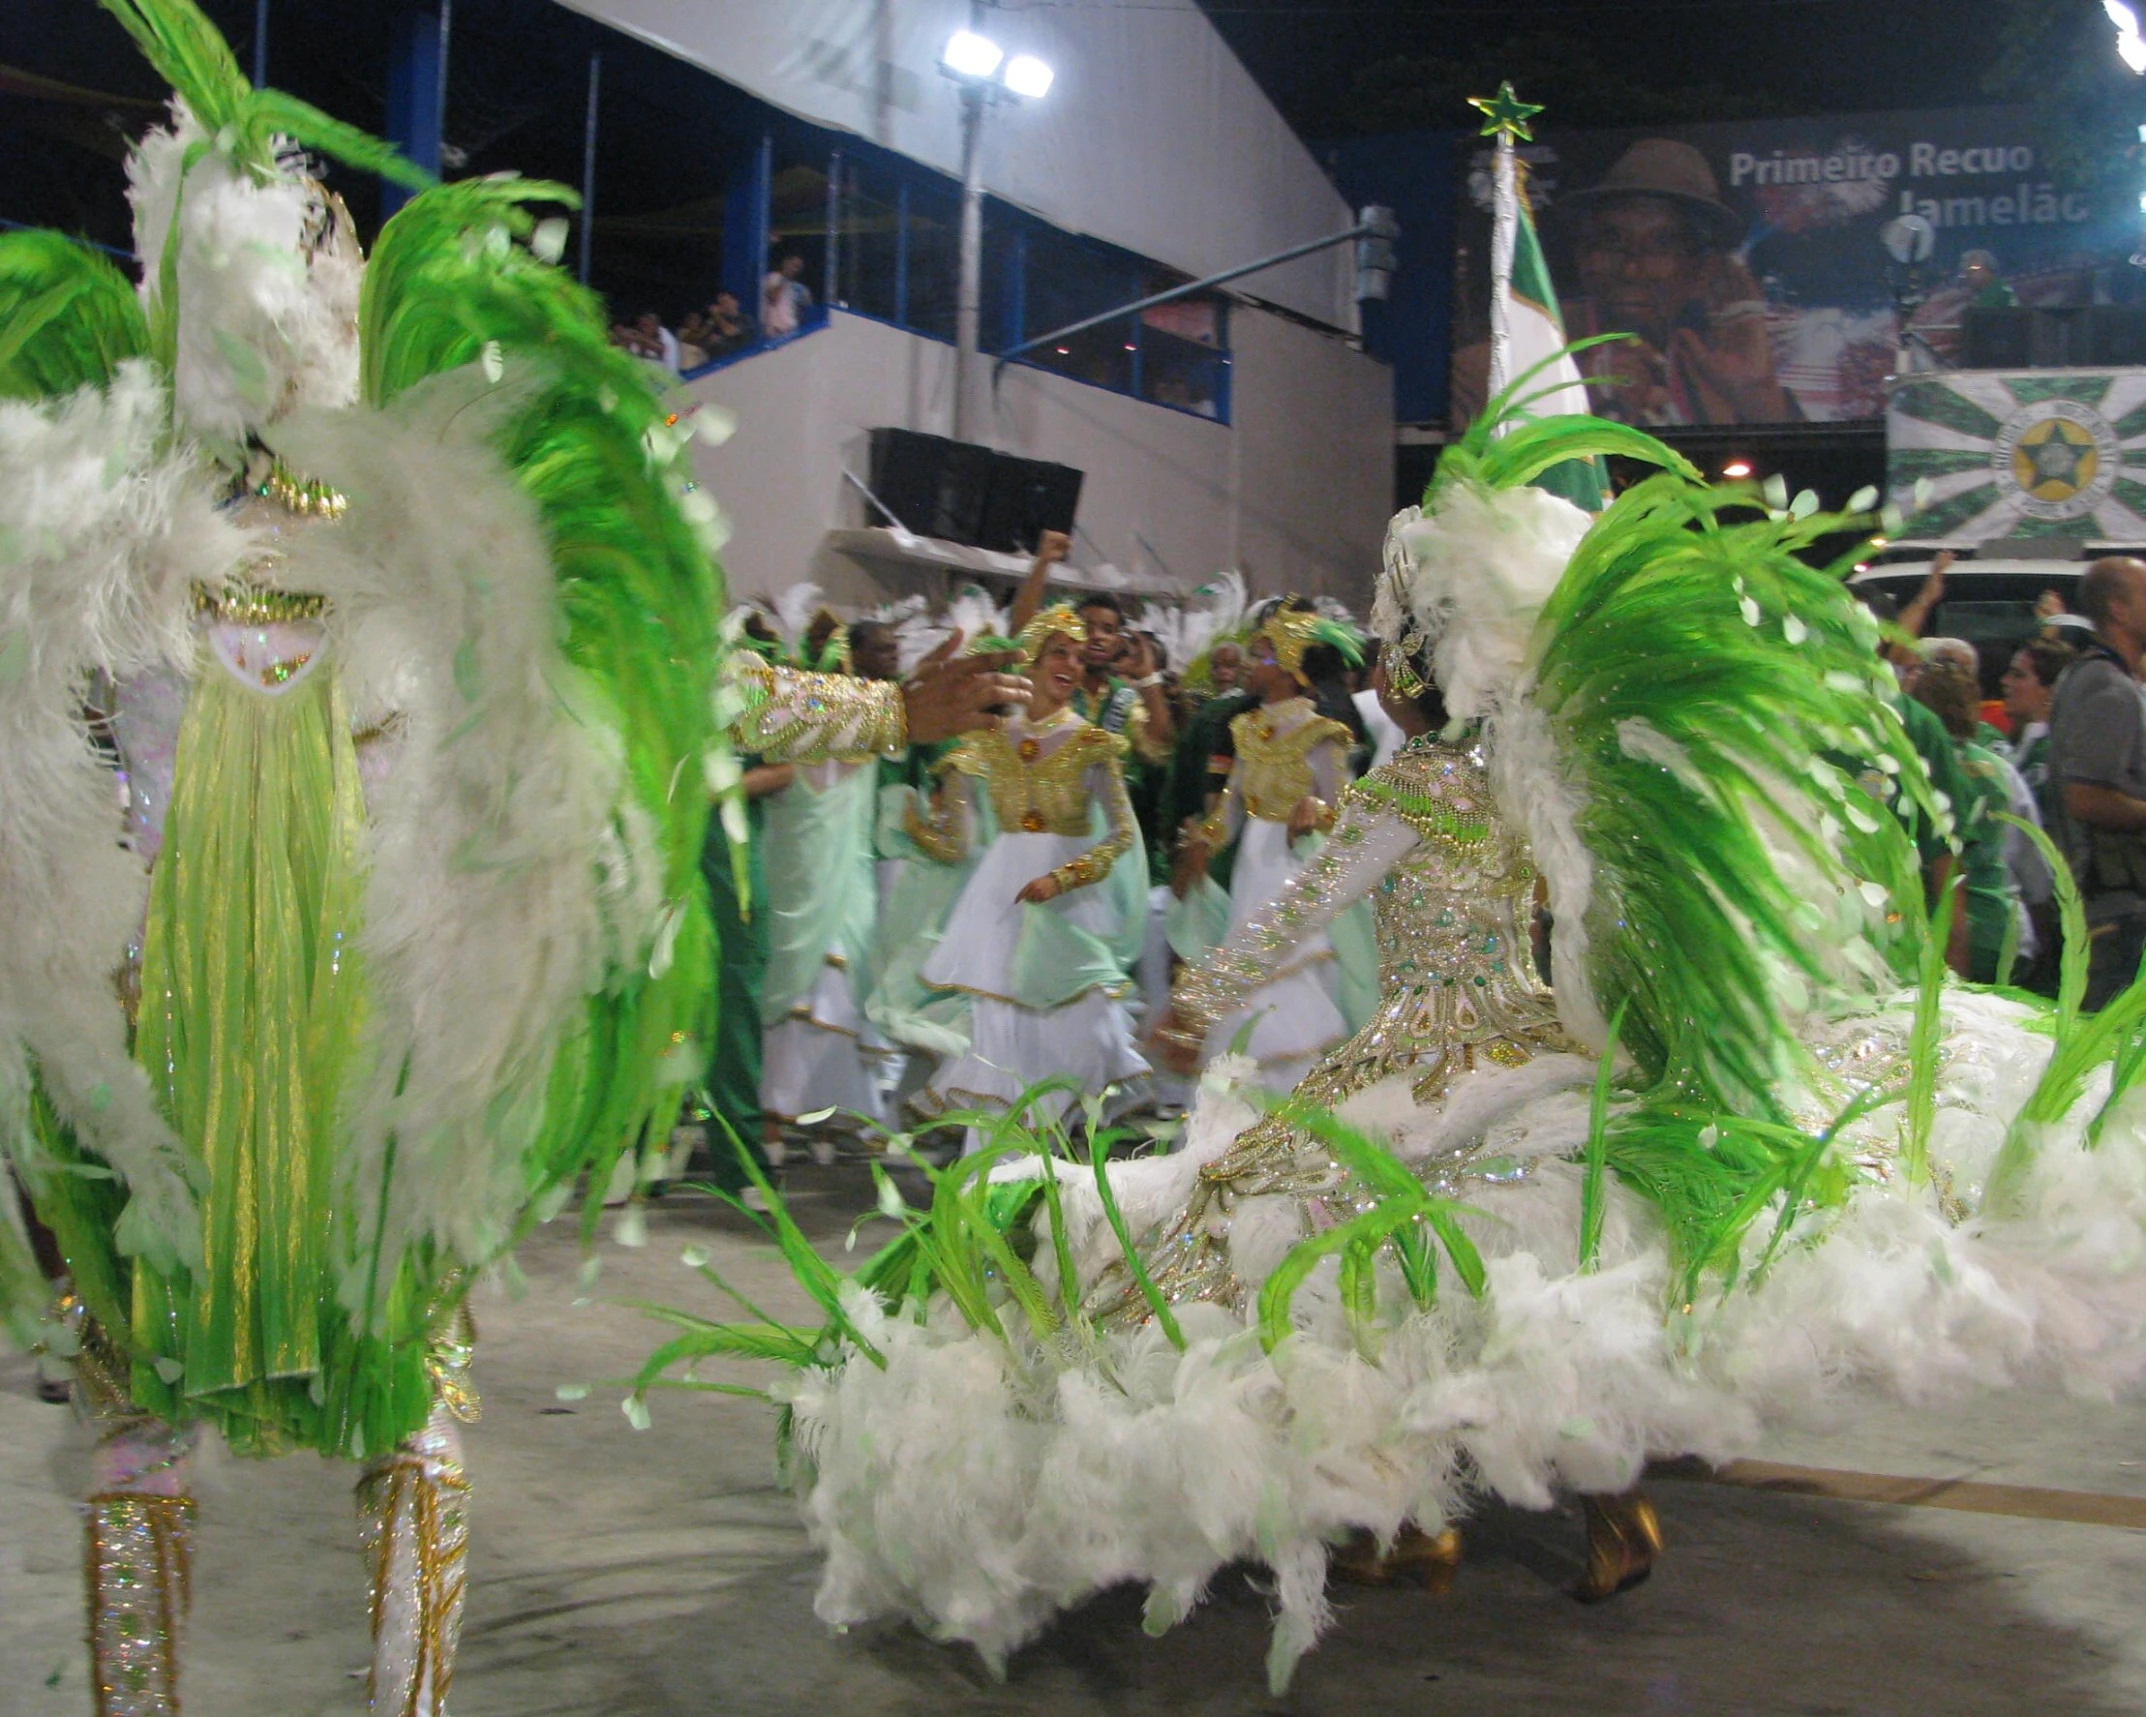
(968, 494)
(934, 486)
(1996, 337)
(2118, 336)
(1027, 498)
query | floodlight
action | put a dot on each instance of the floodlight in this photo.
(969, 55)
(1028, 76)
(2129, 47)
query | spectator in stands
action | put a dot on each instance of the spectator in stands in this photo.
(1986, 289)
(693, 340)
(654, 341)
(2097, 768)
(729, 328)
(784, 297)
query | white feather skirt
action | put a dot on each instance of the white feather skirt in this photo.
(979, 1489)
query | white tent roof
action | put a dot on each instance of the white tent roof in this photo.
(1154, 136)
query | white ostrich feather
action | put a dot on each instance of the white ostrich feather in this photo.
(260, 332)
(102, 534)
(974, 614)
(793, 610)
(483, 935)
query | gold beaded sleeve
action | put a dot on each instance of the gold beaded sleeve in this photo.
(1367, 841)
(1096, 863)
(944, 833)
(792, 717)
(1140, 733)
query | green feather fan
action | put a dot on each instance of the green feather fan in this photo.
(453, 282)
(68, 317)
(176, 37)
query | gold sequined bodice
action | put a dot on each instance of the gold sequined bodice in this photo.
(1457, 982)
(1034, 787)
(1273, 774)
(1455, 915)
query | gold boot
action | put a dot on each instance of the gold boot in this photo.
(414, 1526)
(1624, 1536)
(413, 1511)
(139, 1539)
(1417, 1558)
(140, 1586)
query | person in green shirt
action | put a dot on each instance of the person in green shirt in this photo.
(1986, 288)
(1990, 897)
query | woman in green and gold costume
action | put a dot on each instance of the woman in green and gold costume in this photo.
(407, 606)
(1290, 765)
(1042, 937)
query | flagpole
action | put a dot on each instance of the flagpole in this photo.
(1505, 117)
(1504, 226)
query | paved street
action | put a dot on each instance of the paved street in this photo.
(655, 1573)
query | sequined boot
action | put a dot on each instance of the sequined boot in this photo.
(141, 1526)
(1624, 1536)
(413, 1510)
(413, 1513)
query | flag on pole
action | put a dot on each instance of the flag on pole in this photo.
(1526, 332)
(1537, 332)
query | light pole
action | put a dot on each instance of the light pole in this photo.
(986, 74)
(969, 285)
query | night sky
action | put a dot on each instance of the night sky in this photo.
(1792, 56)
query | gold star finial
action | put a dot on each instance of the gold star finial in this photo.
(1505, 114)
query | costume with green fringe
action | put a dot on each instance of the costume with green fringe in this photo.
(1749, 1153)
(401, 604)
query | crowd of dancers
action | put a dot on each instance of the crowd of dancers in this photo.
(364, 694)
(937, 933)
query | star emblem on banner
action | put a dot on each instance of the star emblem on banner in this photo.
(1505, 114)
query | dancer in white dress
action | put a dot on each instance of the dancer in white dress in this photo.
(1044, 932)
(1291, 765)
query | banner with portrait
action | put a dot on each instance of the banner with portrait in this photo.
(1745, 264)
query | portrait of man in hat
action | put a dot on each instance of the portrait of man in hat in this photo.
(1654, 251)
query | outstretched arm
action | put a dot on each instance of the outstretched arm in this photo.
(790, 717)
(1365, 845)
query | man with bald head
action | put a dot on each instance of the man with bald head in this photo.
(2097, 763)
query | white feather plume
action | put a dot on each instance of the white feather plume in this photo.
(483, 934)
(974, 614)
(793, 609)
(260, 331)
(103, 531)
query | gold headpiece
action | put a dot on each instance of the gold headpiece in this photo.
(1060, 617)
(1289, 632)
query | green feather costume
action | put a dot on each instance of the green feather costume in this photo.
(271, 1227)
(1750, 1151)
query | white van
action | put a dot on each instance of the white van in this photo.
(1989, 597)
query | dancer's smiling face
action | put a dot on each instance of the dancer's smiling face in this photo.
(1056, 675)
(1265, 677)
